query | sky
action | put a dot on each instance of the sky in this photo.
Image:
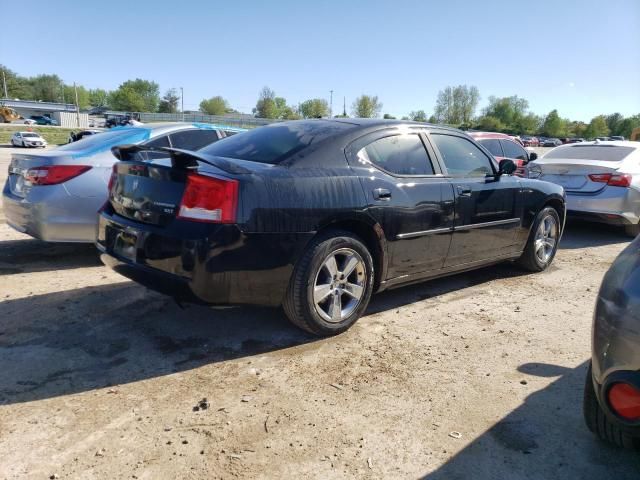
(581, 57)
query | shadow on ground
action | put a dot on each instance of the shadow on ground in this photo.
(30, 255)
(544, 438)
(579, 234)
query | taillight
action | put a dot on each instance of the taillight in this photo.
(625, 400)
(209, 199)
(613, 179)
(54, 174)
(112, 178)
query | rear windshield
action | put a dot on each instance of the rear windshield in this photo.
(274, 143)
(612, 153)
(108, 139)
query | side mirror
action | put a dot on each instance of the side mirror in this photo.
(532, 156)
(506, 167)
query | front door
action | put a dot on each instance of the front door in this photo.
(488, 207)
(407, 195)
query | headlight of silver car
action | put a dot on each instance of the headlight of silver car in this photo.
(534, 171)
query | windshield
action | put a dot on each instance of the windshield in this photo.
(106, 140)
(274, 143)
(29, 135)
(612, 153)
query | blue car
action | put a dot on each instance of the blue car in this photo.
(54, 195)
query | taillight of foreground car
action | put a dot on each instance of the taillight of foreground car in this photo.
(54, 174)
(613, 179)
(624, 399)
(209, 199)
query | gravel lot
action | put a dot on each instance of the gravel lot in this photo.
(478, 375)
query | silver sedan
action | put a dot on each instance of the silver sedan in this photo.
(55, 195)
(601, 180)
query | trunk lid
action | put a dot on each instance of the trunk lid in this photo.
(573, 175)
(21, 163)
(147, 192)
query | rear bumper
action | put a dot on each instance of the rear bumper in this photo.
(612, 205)
(51, 214)
(203, 263)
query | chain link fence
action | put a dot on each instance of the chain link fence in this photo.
(232, 120)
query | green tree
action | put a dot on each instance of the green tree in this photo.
(613, 123)
(314, 108)
(597, 127)
(553, 125)
(366, 106)
(457, 105)
(290, 113)
(433, 119)
(84, 100)
(576, 129)
(528, 124)
(511, 111)
(490, 123)
(388, 116)
(214, 106)
(17, 86)
(418, 116)
(266, 106)
(47, 88)
(136, 96)
(169, 102)
(98, 97)
(627, 125)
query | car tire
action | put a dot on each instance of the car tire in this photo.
(632, 230)
(23, 145)
(599, 423)
(532, 258)
(317, 299)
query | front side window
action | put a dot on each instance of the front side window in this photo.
(398, 154)
(493, 145)
(513, 150)
(461, 157)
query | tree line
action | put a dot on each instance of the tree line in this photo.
(455, 106)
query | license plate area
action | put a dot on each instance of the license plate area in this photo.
(125, 244)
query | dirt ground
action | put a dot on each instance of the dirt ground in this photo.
(478, 375)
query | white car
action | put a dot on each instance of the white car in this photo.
(29, 121)
(27, 139)
(601, 180)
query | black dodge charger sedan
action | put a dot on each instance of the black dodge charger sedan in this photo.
(316, 215)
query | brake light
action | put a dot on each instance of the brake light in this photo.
(615, 179)
(625, 400)
(54, 174)
(209, 199)
(112, 178)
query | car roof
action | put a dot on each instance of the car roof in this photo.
(480, 135)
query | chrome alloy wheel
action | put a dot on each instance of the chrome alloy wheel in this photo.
(339, 285)
(546, 238)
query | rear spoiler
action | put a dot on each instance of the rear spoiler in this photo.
(180, 158)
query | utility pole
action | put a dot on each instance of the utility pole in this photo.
(344, 106)
(182, 102)
(4, 81)
(77, 106)
(331, 104)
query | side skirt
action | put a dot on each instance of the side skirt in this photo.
(444, 272)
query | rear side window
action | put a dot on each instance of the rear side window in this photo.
(461, 157)
(611, 153)
(193, 139)
(398, 154)
(158, 142)
(493, 145)
(512, 150)
(276, 142)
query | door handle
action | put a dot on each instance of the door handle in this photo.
(381, 194)
(464, 190)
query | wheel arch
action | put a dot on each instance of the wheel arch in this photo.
(371, 233)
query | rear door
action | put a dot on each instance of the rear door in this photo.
(488, 208)
(407, 195)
